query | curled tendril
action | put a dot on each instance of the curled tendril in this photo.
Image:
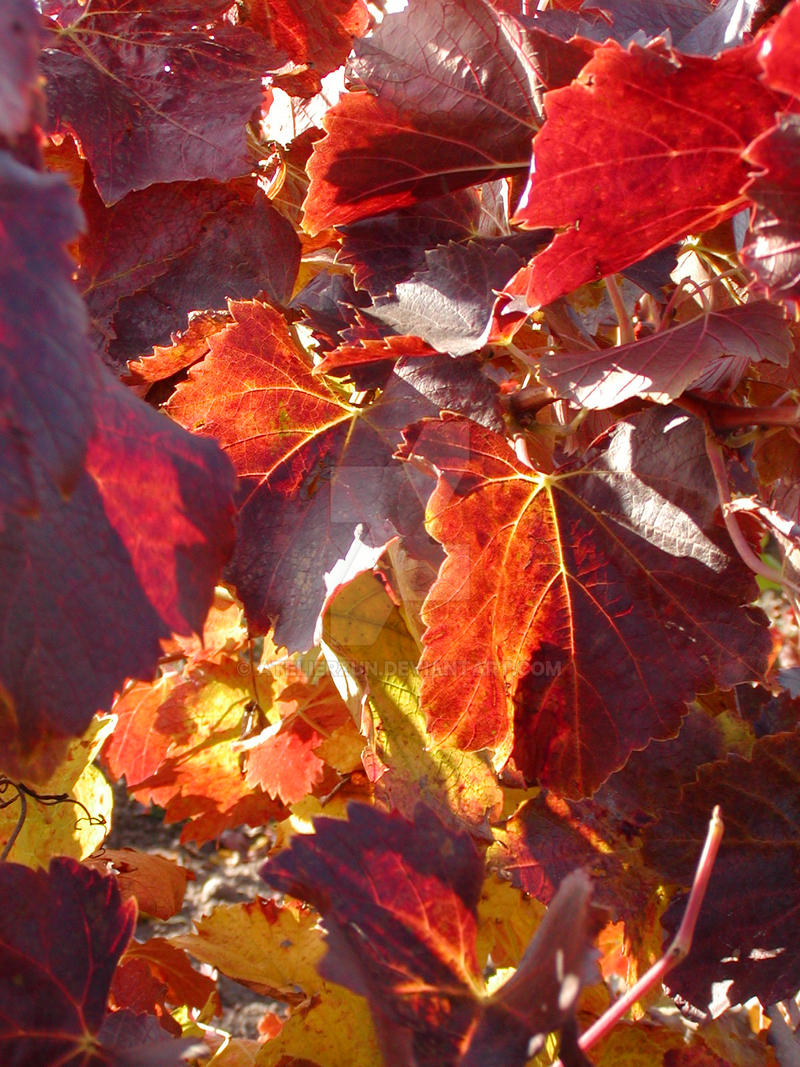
(22, 792)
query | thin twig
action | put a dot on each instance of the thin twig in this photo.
(678, 948)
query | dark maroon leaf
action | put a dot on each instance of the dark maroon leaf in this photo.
(331, 304)
(62, 933)
(455, 385)
(137, 1040)
(19, 51)
(696, 26)
(773, 252)
(399, 902)
(750, 922)
(388, 249)
(154, 95)
(449, 302)
(47, 371)
(242, 249)
(137, 545)
(388, 148)
(664, 365)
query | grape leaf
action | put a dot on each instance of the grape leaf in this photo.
(197, 773)
(317, 36)
(426, 125)
(371, 644)
(627, 162)
(156, 884)
(662, 366)
(62, 932)
(46, 366)
(139, 543)
(385, 250)
(137, 1040)
(334, 1027)
(316, 475)
(154, 96)
(778, 54)
(449, 302)
(753, 877)
(170, 965)
(399, 901)
(696, 26)
(558, 588)
(773, 251)
(272, 949)
(64, 828)
(282, 759)
(19, 52)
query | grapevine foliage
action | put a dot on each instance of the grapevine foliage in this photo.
(396, 459)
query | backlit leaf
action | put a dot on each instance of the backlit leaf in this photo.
(558, 588)
(156, 884)
(64, 828)
(627, 162)
(62, 932)
(367, 635)
(316, 475)
(387, 148)
(139, 544)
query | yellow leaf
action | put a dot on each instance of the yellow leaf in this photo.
(272, 949)
(64, 828)
(335, 1030)
(372, 655)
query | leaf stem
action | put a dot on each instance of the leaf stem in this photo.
(679, 946)
(626, 334)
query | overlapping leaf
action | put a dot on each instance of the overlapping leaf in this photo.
(62, 932)
(46, 366)
(316, 474)
(387, 148)
(566, 592)
(154, 882)
(139, 544)
(154, 96)
(773, 253)
(158, 254)
(399, 901)
(371, 644)
(315, 36)
(753, 877)
(19, 51)
(192, 767)
(627, 162)
(662, 366)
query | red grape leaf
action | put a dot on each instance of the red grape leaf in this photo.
(139, 543)
(156, 884)
(600, 598)
(137, 1040)
(369, 363)
(662, 366)
(135, 988)
(136, 749)
(426, 125)
(170, 964)
(281, 759)
(197, 773)
(316, 475)
(154, 96)
(399, 902)
(778, 53)
(188, 346)
(62, 933)
(46, 366)
(773, 251)
(754, 877)
(627, 162)
(19, 52)
(449, 302)
(314, 35)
